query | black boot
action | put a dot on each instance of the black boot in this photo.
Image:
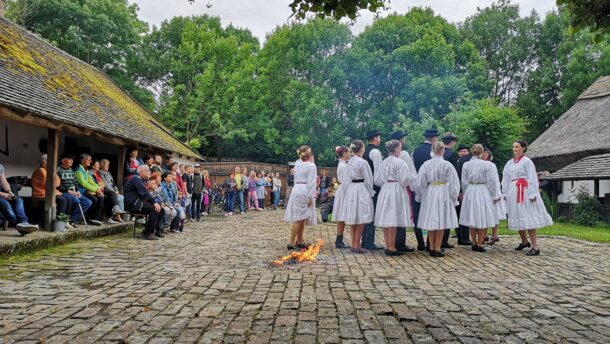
(339, 242)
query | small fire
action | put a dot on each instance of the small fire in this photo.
(307, 255)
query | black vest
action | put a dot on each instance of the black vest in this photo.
(366, 157)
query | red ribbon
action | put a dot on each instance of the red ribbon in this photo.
(521, 186)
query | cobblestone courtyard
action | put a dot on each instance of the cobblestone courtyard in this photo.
(213, 284)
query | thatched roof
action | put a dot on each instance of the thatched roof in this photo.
(589, 168)
(40, 80)
(582, 131)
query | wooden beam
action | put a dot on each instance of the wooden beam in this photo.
(596, 188)
(50, 208)
(28, 118)
(120, 174)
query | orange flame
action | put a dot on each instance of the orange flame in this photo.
(307, 255)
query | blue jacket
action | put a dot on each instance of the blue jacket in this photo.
(170, 193)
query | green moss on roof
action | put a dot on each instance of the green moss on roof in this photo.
(82, 88)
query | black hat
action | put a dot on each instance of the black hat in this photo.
(398, 135)
(372, 133)
(431, 132)
(449, 136)
(463, 146)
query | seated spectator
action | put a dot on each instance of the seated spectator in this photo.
(139, 200)
(90, 189)
(39, 184)
(131, 163)
(67, 186)
(157, 164)
(170, 199)
(166, 166)
(11, 206)
(102, 176)
(157, 193)
(327, 198)
(230, 186)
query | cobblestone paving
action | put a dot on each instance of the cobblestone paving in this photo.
(212, 284)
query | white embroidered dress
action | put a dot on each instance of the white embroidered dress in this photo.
(359, 196)
(339, 206)
(393, 206)
(524, 205)
(481, 188)
(438, 188)
(301, 204)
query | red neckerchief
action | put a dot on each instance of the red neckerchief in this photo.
(516, 160)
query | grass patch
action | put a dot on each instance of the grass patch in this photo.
(595, 234)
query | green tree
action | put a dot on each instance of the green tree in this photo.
(506, 43)
(487, 122)
(103, 33)
(409, 65)
(593, 15)
(565, 65)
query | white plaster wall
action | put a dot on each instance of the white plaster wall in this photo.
(569, 189)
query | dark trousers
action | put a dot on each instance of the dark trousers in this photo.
(229, 202)
(155, 220)
(368, 236)
(401, 237)
(196, 207)
(418, 233)
(97, 206)
(462, 233)
(64, 204)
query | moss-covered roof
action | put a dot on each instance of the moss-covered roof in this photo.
(38, 78)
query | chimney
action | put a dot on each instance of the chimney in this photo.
(2, 8)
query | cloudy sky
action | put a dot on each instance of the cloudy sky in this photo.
(262, 16)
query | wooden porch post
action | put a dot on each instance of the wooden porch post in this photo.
(49, 201)
(596, 188)
(120, 174)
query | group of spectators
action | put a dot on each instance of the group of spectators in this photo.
(245, 191)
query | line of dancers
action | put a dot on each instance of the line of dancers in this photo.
(421, 191)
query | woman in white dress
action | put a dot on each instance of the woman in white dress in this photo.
(438, 188)
(525, 207)
(343, 178)
(481, 191)
(500, 205)
(393, 207)
(301, 205)
(359, 197)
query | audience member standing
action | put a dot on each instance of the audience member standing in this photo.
(197, 193)
(374, 158)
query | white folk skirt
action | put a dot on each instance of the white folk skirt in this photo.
(393, 207)
(437, 211)
(339, 206)
(526, 214)
(358, 205)
(478, 210)
(301, 206)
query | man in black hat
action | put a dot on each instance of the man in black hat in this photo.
(401, 232)
(373, 156)
(449, 141)
(421, 154)
(462, 232)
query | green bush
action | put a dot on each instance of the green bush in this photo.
(588, 210)
(551, 205)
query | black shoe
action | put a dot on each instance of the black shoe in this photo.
(392, 253)
(405, 249)
(479, 249)
(422, 248)
(447, 245)
(428, 248)
(160, 235)
(149, 237)
(340, 244)
(303, 246)
(465, 243)
(522, 246)
(440, 254)
(291, 247)
(94, 222)
(533, 252)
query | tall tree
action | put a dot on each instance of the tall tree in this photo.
(506, 42)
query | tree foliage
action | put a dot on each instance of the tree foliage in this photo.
(592, 15)
(493, 78)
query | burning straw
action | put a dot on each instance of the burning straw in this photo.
(307, 255)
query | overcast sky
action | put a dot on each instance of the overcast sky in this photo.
(262, 16)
